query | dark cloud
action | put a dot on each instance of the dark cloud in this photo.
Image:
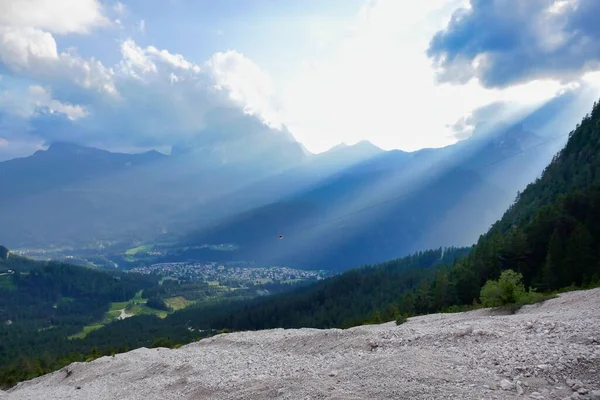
(516, 41)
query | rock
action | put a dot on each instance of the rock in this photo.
(506, 384)
(309, 363)
(582, 391)
(373, 345)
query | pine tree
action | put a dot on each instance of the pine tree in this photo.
(580, 257)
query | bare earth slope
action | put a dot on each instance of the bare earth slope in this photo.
(545, 351)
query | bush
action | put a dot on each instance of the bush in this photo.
(401, 319)
(509, 289)
(162, 342)
(491, 294)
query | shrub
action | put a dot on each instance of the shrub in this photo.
(508, 289)
(162, 342)
(491, 294)
(401, 319)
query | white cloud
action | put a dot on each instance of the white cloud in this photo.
(19, 47)
(42, 99)
(32, 53)
(119, 8)
(246, 84)
(142, 26)
(176, 60)
(37, 99)
(378, 84)
(56, 16)
(375, 83)
(135, 59)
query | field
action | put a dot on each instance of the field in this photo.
(86, 329)
(140, 249)
(135, 306)
(178, 303)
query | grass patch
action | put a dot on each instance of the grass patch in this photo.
(138, 296)
(145, 248)
(86, 329)
(142, 309)
(178, 303)
(118, 306)
(112, 315)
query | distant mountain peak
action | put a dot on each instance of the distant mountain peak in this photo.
(63, 148)
(363, 144)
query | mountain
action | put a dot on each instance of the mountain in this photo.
(384, 206)
(76, 196)
(62, 164)
(241, 181)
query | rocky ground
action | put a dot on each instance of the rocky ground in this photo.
(545, 351)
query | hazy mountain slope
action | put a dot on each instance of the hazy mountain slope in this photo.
(466, 355)
(374, 235)
(315, 170)
(71, 195)
(62, 164)
(412, 200)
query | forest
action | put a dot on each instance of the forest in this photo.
(550, 235)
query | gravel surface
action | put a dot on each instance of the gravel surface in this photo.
(545, 351)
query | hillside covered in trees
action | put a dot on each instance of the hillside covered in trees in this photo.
(42, 303)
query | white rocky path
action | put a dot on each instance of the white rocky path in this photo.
(545, 351)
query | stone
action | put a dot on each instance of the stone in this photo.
(595, 395)
(520, 390)
(506, 385)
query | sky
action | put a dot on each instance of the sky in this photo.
(149, 74)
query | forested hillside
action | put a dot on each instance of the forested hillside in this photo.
(342, 301)
(41, 303)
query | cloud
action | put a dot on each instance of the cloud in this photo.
(142, 26)
(149, 98)
(158, 99)
(56, 16)
(246, 84)
(32, 53)
(42, 99)
(505, 42)
(376, 82)
(119, 8)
